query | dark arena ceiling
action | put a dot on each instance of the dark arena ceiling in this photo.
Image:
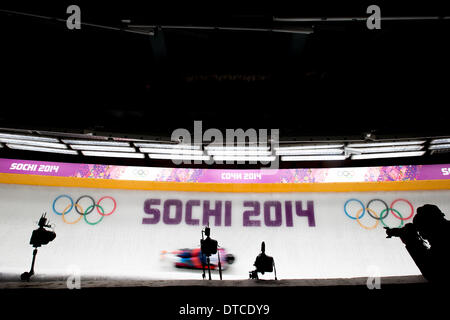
(145, 68)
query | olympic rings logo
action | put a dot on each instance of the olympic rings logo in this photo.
(140, 172)
(382, 215)
(345, 173)
(79, 209)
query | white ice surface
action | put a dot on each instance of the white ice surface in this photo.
(122, 246)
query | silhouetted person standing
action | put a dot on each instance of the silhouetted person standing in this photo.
(429, 224)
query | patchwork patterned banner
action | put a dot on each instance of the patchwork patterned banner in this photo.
(305, 175)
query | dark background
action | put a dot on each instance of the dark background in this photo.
(342, 80)
(401, 301)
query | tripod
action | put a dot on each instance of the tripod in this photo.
(27, 275)
(209, 266)
(39, 237)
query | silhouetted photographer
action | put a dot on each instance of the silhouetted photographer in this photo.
(41, 236)
(430, 227)
(263, 263)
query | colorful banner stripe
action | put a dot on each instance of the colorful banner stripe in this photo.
(394, 178)
(322, 175)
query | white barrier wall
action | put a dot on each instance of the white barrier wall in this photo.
(311, 237)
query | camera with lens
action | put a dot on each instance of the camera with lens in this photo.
(393, 232)
(41, 236)
(263, 263)
(408, 231)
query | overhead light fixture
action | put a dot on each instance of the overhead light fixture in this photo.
(310, 146)
(34, 143)
(237, 148)
(40, 149)
(386, 143)
(310, 152)
(171, 151)
(113, 154)
(443, 140)
(244, 158)
(352, 19)
(166, 145)
(150, 28)
(439, 151)
(384, 149)
(126, 139)
(24, 137)
(239, 153)
(97, 143)
(439, 146)
(314, 158)
(178, 157)
(387, 155)
(69, 135)
(102, 148)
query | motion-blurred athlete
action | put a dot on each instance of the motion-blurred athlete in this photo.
(192, 258)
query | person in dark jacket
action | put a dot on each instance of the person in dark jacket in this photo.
(427, 240)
